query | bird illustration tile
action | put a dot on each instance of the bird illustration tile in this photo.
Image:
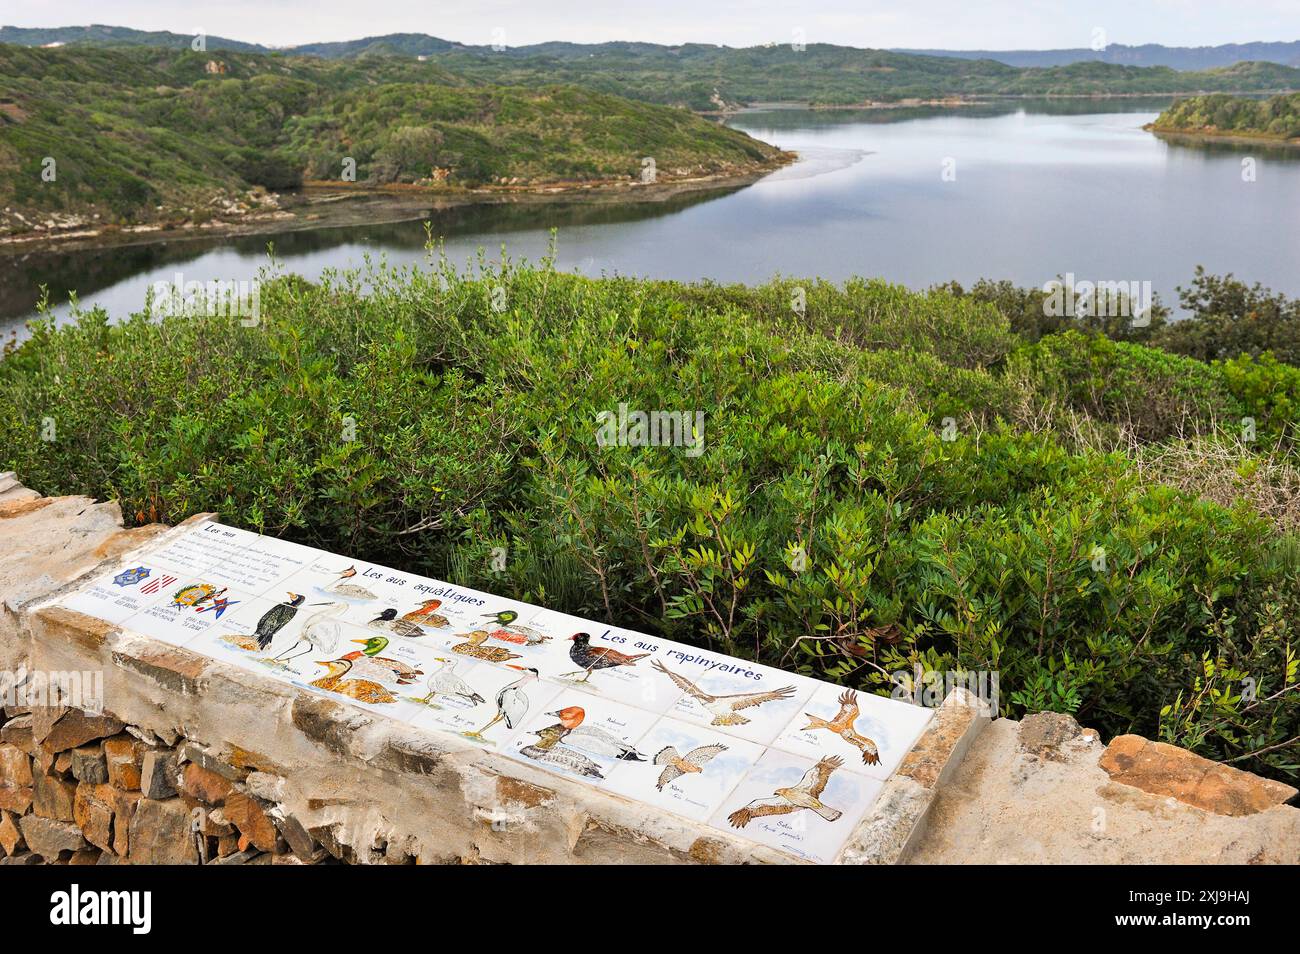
(615, 664)
(739, 698)
(581, 735)
(871, 733)
(805, 807)
(187, 609)
(486, 703)
(240, 638)
(688, 769)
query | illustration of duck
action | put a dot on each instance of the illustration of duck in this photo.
(272, 621)
(842, 725)
(589, 658)
(511, 632)
(474, 648)
(725, 709)
(368, 664)
(512, 702)
(805, 795)
(389, 623)
(354, 591)
(445, 682)
(425, 615)
(588, 738)
(320, 631)
(676, 765)
(363, 690)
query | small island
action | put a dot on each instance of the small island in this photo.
(1222, 116)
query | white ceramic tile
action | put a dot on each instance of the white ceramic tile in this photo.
(736, 697)
(369, 637)
(603, 733)
(502, 698)
(871, 733)
(689, 769)
(799, 821)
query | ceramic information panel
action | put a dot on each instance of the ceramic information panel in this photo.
(786, 761)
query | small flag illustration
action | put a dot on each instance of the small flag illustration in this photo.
(153, 586)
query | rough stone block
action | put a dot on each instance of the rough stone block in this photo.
(1162, 769)
(52, 797)
(15, 766)
(255, 827)
(93, 814)
(16, 800)
(160, 833)
(89, 765)
(11, 839)
(18, 732)
(48, 837)
(158, 774)
(124, 754)
(75, 728)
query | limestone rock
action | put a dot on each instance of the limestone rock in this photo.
(11, 839)
(124, 754)
(94, 816)
(248, 816)
(74, 728)
(52, 797)
(157, 771)
(18, 732)
(16, 800)
(48, 837)
(89, 765)
(160, 833)
(1045, 735)
(15, 766)
(1162, 769)
(204, 785)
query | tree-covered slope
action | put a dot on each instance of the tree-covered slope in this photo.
(1277, 117)
(132, 129)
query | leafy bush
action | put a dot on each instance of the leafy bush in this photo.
(830, 525)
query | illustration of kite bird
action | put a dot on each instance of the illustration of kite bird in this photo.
(784, 801)
(842, 725)
(725, 709)
(675, 765)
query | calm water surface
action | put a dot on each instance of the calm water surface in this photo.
(1035, 191)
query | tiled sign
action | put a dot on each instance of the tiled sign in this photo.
(783, 760)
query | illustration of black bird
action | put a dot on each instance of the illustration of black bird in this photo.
(589, 658)
(275, 619)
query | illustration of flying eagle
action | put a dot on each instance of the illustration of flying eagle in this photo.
(675, 765)
(724, 709)
(842, 725)
(807, 794)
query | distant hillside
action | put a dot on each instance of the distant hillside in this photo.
(708, 77)
(117, 36)
(142, 134)
(1147, 54)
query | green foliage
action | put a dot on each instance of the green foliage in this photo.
(1277, 117)
(135, 128)
(833, 524)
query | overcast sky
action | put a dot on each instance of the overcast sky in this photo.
(946, 24)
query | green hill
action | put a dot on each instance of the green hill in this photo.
(132, 129)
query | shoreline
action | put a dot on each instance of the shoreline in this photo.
(341, 205)
(1206, 134)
